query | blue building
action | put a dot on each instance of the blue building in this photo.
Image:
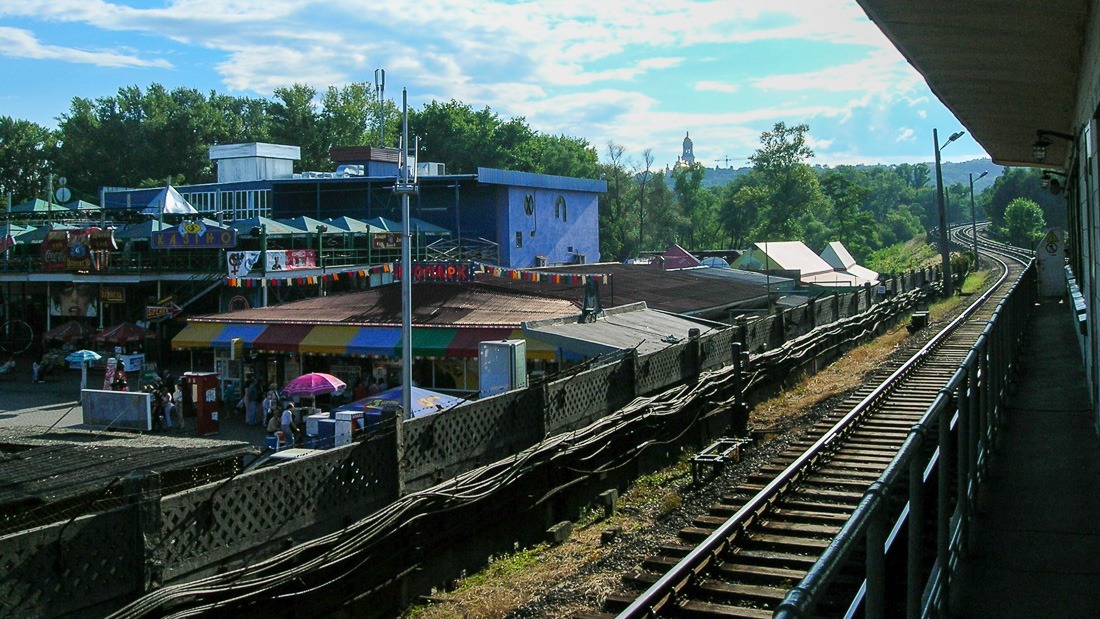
(527, 219)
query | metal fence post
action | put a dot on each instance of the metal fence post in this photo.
(943, 487)
(915, 559)
(142, 490)
(875, 602)
(392, 417)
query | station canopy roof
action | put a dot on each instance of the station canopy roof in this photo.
(1005, 69)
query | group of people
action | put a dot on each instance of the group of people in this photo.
(167, 406)
(262, 405)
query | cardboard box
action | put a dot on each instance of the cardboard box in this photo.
(312, 423)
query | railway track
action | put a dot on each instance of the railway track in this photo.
(760, 550)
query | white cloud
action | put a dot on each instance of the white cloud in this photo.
(905, 134)
(20, 43)
(712, 86)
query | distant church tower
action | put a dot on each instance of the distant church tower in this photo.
(688, 156)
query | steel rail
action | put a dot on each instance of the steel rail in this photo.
(665, 589)
(921, 598)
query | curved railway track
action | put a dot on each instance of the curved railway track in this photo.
(744, 556)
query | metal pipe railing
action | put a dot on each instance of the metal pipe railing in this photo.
(974, 400)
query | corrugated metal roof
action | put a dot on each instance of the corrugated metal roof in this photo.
(434, 303)
(493, 176)
(621, 328)
(679, 292)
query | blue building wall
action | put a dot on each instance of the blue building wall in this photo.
(528, 215)
(558, 225)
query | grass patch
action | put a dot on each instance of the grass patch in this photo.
(844, 374)
(909, 256)
(975, 281)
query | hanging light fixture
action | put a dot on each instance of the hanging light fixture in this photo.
(1039, 148)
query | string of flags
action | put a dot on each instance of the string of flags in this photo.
(569, 279)
(254, 282)
(565, 279)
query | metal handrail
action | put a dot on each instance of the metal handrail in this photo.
(660, 592)
(801, 600)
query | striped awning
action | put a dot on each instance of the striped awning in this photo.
(282, 338)
(352, 340)
(326, 340)
(197, 335)
(378, 341)
(246, 333)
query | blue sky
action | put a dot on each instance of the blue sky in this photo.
(637, 73)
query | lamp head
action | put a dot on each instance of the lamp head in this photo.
(1039, 149)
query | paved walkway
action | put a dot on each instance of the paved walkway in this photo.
(1036, 544)
(56, 402)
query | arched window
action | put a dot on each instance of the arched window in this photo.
(560, 210)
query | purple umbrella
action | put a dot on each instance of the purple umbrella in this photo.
(314, 384)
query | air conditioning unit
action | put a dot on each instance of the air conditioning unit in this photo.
(431, 168)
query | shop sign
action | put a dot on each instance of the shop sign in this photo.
(385, 240)
(194, 235)
(441, 272)
(77, 250)
(156, 312)
(112, 294)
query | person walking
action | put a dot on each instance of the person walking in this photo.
(177, 406)
(287, 423)
(36, 372)
(252, 403)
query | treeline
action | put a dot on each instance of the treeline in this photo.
(782, 198)
(144, 137)
(139, 138)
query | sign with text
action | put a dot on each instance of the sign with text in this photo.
(157, 312)
(112, 294)
(194, 235)
(385, 240)
(440, 272)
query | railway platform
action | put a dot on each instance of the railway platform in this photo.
(1035, 549)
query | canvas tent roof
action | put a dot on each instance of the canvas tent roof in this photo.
(840, 259)
(416, 225)
(347, 224)
(676, 257)
(272, 227)
(39, 206)
(786, 255)
(168, 200)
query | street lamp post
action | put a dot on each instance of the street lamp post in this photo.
(973, 215)
(405, 187)
(321, 259)
(945, 251)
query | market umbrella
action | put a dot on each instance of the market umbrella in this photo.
(83, 357)
(123, 334)
(70, 331)
(314, 384)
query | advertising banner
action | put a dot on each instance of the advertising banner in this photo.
(247, 263)
(77, 250)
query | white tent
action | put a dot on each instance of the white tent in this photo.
(168, 201)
